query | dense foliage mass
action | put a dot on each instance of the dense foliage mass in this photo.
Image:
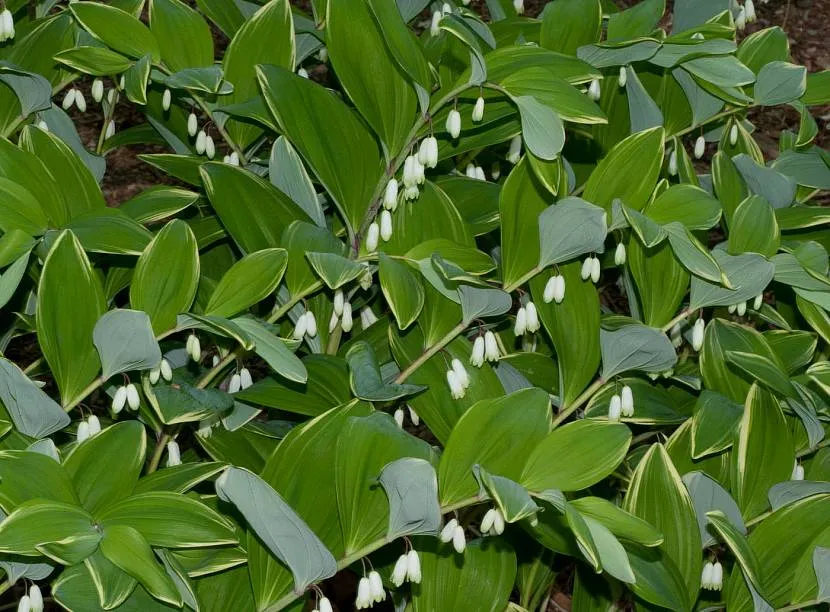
(468, 309)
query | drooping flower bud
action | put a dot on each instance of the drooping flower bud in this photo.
(154, 377)
(448, 530)
(740, 20)
(675, 335)
(519, 6)
(498, 522)
(413, 566)
(399, 571)
(477, 356)
(717, 576)
(310, 324)
(83, 431)
(758, 302)
(559, 289)
(697, 334)
(459, 541)
(119, 400)
(111, 96)
(673, 163)
(446, 8)
(706, 576)
(324, 605)
(409, 176)
(367, 317)
(192, 124)
(460, 372)
(372, 237)
(43, 125)
(488, 520)
(435, 24)
(390, 195)
(457, 391)
(333, 322)
(300, 327)
(470, 171)
(210, 147)
(454, 123)
(411, 193)
(339, 300)
(479, 174)
(521, 322)
(245, 379)
(166, 370)
(94, 425)
(235, 384)
(398, 416)
(413, 416)
(491, 347)
(80, 100)
(364, 594)
(35, 599)
(6, 25)
(596, 269)
(587, 266)
(302, 72)
(386, 225)
(623, 78)
(532, 317)
(133, 401)
(514, 153)
(25, 604)
(615, 408)
(376, 584)
(495, 170)
(547, 294)
(233, 158)
(166, 98)
(478, 110)
(201, 142)
(110, 130)
(594, 90)
(98, 90)
(733, 134)
(68, 99)
(627, 397)
(749, 7)
(346, 321)
(121, 82)
(798, 472)
(174, 456)
(619, 255)
(700, 147)
(741, 309)
(432, 152)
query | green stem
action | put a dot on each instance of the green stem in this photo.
(102, 136)
(684, 314)
(712, 119)
(95, 384)
(584, 397)
(810, 451)
(412, 367)
(33, 366)
(157, 453)
(524, 278)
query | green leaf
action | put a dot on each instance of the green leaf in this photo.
(576, 456)
(748, 273)
(178, 479)
(109, 230)
(643, 110)
(639, 20)
(511, 498)
(412, 489)
(70, 302)
(334, 269)
(754, 228)
(721, 71)
(737, 543)
(117, 29)
(692, 206)
(136, 80)
(403, 291)
(249, 281)
(287, 173)
(780, 82)
(125, 342)
(112, 584)
(708, 495)
(28, 475)
(182, 402)
(570, 24)
(694, 256)
(477, 302)
(33, 413)
(777, 188)
(184, 38)
(714, 423)
(366, 380)
(208, 80)
(622, 524)
(96, 61)
(166, 276)
(36, 524)
(570, 228)
(635, 347)
(546, 85)
(542, 129)
(20, 210)
(764, 371)
(273, 350)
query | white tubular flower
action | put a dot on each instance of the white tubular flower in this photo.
(515, 151)
(454, 123)
(68, 99)
(25, 604)
(798, 472)
(35, 599)
(594, 90)
(333, 322)
(166, 98)
(110, 130)
(749, 7)
(446, 8)
(448, 531)
(245, 379)
(459, 541)
(741, 309)
(627, 401)
(423, 151)
(201, 142)
(706, 576)
(119, 400)
(121, 82)
(94, 425)
(498, 522)
(192, 124)
(324, 605)
(98, 90)
(214, 361)
(559, 290)
(400, 571)
(432, 160)
(550, 287)
(418, 168)
(235, 384)
(740, 20)
(700, 147)
(717, 576)
(519, 6)
(470, 171)
(479, 173)
(386, 225)
(521, 322)
(377, 591)
(456, 388)
(413, 566)
(302, 72)
(461, 373)
(488, 520)
(478, 110)
(188, 345)
(174, 456)
(673, 163)
(6, 25)
(697, 334)
(339, 300)
(311, 324)
(367, 317)
(398, 416)
(619, 255)
(615, 408)
(477, 356)
(733, 134)
(166, 370)
(80, 100)
(133, 401)
(390, 195)
(210, 147)
(435, 24)
(154, 377)
(491, 347)
(532, 317)
(346, 321)
(364, 594)
(596, 269)
(301, 327)
(731, 309)
(373, 237)
(623, 78)
(758, 302)
(411, 193)
(587, 267)
(409, 177)
(111, 96)
(413, 416)
(83, 431)
(233, 158)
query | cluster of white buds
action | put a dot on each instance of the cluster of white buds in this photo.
(110, 131)
(733, 134)
(554, 289)
(324, 605)
(194, 347)
(475, 172)
(33, 601)
(166, 99)
(458, 379)
(484, 348)
(390, 194)
(594, 90)
(673, 163)
(711, 578)
(240, 380)
(623, 78)
(700, 147)
(125, 395)
(619, 255)
(174, 456)
(407, 567)
(739, 308)
(514, 153)
(478, 110)
(591, 268)
(413, 175)
(697, 334)
(369, 591)
(453, 532)
(205, 145)
(74, 97)
(413, 416)
(428, 153)
(527, 320)
(493, 522)
(798, 472)
(306, 325)
(163, 370)
(98, 90)
(342, 313)
(454, 123)
(6, 25)
(232, 159)
(88, 428)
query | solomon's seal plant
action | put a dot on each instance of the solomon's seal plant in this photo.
(470, 309)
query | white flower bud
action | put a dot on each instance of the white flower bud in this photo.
(411, 193)
(477, 356)
(559, 289)
(470, 171)
(547, 294)
(398, 416)
(166, 370)
(478, 110)
(623, 78)
(6, 25)
(311, 324)
(364, 594)
(733, 134)
(515, 151)
(111, 96)
(587, 267)
(333, 322)
(346, 320)
(460, 372)
(491, 347)
(532, 317)
(25, 604)
(174, 456)
(390, 195)
(233, 159)
(245, 379)
(596, 269)
(673, 163)
(399, 571)
(68, 99)
(35, 599)
(301, 327)
(110, 130)
(434, 26)
(372, 237)
(717, 576)
(758, 302)
(80, 100)
(594, 90)
(386, 225)
(457, 391)
(119, 400)
(495, 171)
(376, 583)
(700, 147)
(741, 309)
(432, 146)
(121, 82)
(83, 431)
(459, 542)
(324, 605)
(749, 7)
(235, 384)
(676, 337)
(367, 317)
(454, 123)
(521, 322)
(413, 566)
(94, 425)
(446, 8)
(706, 576)
(697, 334)
(201, 142)
(98, 90)
(214, 361)
(519, 6)
(627, 401)
(210, 147)
(409, 177)
(731, 309)
(339, 300)
(740, 20)
(498, 522)
(166, 98)
(43, 125)
(133, 401)
(488, 520)
(448, 531)
(619, 255)
(302, 72)
(479, 174)
(154, 377)
(798, 472)
(192, 124)
(413, 416)
(615, 408)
